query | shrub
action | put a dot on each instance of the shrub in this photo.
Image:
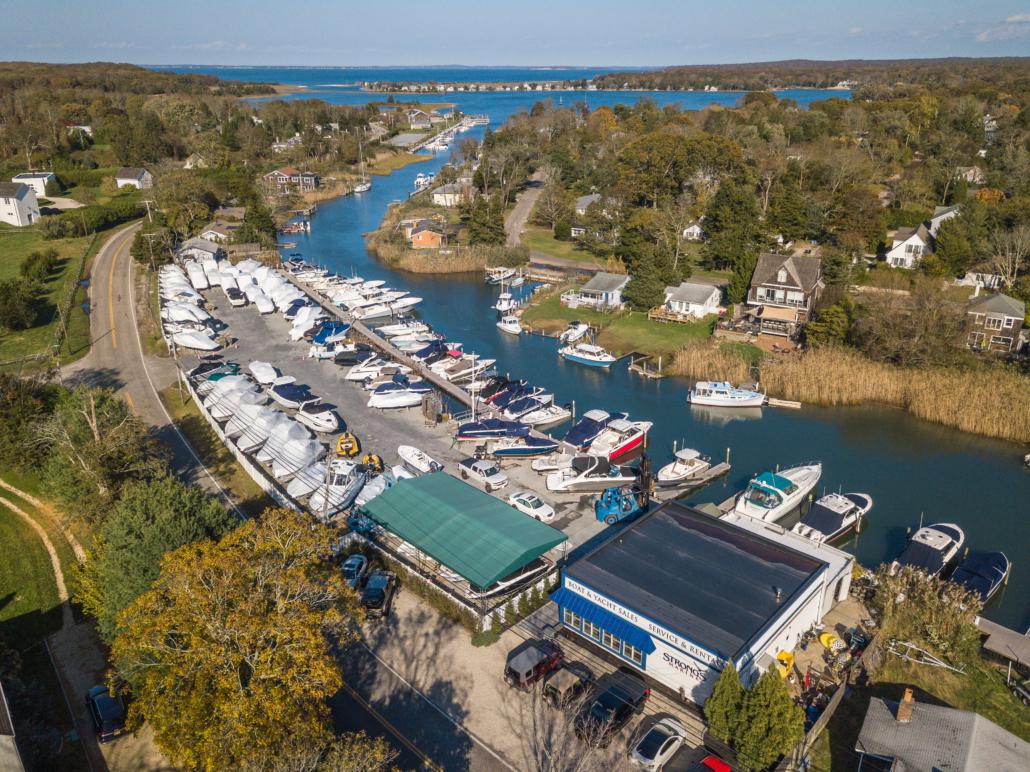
(17, 304)
(37, 265)
(562, 231)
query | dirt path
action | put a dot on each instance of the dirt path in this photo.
(55, 519)
(517, 218)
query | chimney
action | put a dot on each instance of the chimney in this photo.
(905, 707)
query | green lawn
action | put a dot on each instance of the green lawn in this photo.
(29, 608)
(541, 240)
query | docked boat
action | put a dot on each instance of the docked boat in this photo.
(402, 305)
(552, 462)
(687, 465)
(409, 327)
(344, 480)
(490, 429)
(982, 573)
(587, 354)
(723, 394)
(933, 548)
(505, 303)
(522, 447)
(619, 438)
(318, 417)
(497, 275)
(833, 516)
(510, 324)
(548, 415)
(525, 405)
(288, 393)
(514, 394)
(574, 332)
(417, 461)
(493, 385)
(400, 392)
(588, 474)
(586, 429)
(771, 495)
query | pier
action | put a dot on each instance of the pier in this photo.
(466, 123)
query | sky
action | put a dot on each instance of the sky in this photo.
(523, 32)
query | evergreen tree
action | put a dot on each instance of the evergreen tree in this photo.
(831, 326)
(17, 304)
(722, 708)
(733, 228)
(953, 247)
(743, 269)
(770, 724)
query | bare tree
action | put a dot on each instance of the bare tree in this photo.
(1011, 247)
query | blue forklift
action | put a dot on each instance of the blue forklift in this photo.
(627, 501)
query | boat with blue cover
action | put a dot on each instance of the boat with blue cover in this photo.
(982, 573)
(587, 354)
(490, 429)
(520, 407)
(330, 332)
(523, 447)
(398, 392)
(586, 429)
(290, 394)
(771, 495)
(933, 548)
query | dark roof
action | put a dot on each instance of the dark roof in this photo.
(902, 234)
(13, 189)
(938, 737)
(706, 579)
(998, 304)
(130, 173)
(803, 271)
(603, 281)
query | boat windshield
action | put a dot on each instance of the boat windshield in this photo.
(763, 497)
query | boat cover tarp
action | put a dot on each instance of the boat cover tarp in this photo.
(604, 619)
(775, 481)
(472, 533)
(919, 555)
(823, 519)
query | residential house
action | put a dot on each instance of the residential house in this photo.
(995, 323)
(238, 213)
(135, 177)
(220, 231)
(910, 735)
(18, 204)
(583, 203)
(199, 249)
(195, 161)
(419, 120)
(10, 758)
(603, 291)
(692, 299)
(451, 194)
(694, 232)
(974, 175)
(426, 237)
(36, 180)
(436, 118)
(289, 180)
(908, 247)
(281, 146)
(410, 225)
(783, 290)
(940, 215)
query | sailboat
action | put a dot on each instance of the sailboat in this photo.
(365, 182)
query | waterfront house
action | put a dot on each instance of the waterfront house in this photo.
(18, 204)
(133, 176)
(451, 194)
(942, 214)
(603, 292)
(419, 120)
(426, 237)
(199, 249)
(694, 232)
(983, 279)
(783, 290)
(37, 181)
(219, 231)
(411, 224)
(692, 299)
(995, 323)
(908, 247)
(289, 180)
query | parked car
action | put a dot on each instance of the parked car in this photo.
(530, 661)
(107, 712)
(530, 504)
(659, 744)
(377, 597)
(711, 763)
(354, 569)
(564, 686)
(618, 698)
(487, 473)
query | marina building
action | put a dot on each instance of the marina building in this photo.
(679, 594)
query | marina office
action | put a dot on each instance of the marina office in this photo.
(678, 594)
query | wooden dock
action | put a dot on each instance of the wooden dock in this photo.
(675, 491)
(641, 364)
(773, 402)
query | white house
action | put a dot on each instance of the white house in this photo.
(940, 215)
(219, 231)
(451, 194)
(974, 175)
(694, 232)
(908, 247)
(134, 176)
(697, 300)
(199, 249)
(583, 202)
(36, 180)
(18, 204)
(195, 161)
(603, 292)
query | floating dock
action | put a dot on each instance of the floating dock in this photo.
(675, 491)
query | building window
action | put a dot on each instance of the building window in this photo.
(572, 619)
(592, 630)
(611, 641)
(1010, 321)
(781, 277)
(633, 654)
(1001, 340)
(993, 323)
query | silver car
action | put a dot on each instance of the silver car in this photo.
(659, 744)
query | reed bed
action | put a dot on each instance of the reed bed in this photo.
(708, 362)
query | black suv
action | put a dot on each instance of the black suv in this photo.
(377, 597)
(618, 698)
(107, 712)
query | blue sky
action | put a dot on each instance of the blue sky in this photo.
(522, 32)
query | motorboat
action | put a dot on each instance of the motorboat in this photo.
(933, 548)
(588, 474)
(465, 368)
(833, 516)
(401, 305)
(410, 327)
(380, 483)
(524, 405)
(222, 381)
(586, 429)
(620, 437)
(548, 415)
(326, 351)
(522, 447)
(493, 385)
(417, 461)
(368, 368)
(224, 405)
(331, 332)
(409, 344)
(587, 354)
(497, 275)
(723, 394)
(374, 311)
(505, 303)
(398, 393)
(211, 365)
(387, 374)
(510, 324)
(319, 417)
(513, 393)
(490, 429)
(253, 436)
(295, 456)
(198, 341)
(552, 462)
(292, 394)
(344, 480)
(279, 435)
(982, 573)
(687, 464)
(771, 495)
(263, 372)
(352, 353)
(306, 480)
(246, 417)
(574, 332)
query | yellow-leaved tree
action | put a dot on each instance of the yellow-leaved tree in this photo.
(229, 656)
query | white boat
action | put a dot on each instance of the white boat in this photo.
(546, 416)
(249, 416)
(587, 354)
(225, 405)
(932, 549)
(378, 484)
(510, 324)
(410, 327)
(401, 305)
(574, 332)
(417, 461)
(465, 368)
(368, 369)
(195, 340)
(345, 480)
(498, 275)
(253, 436)
(306, 480)
(505, 303)
(687, 464)
(263, 372)
(771, 495)
(833, 516)
(295, 456)
(723, 394)
(374, 311)
(619, 437)
(588, 473)
(318, 417)
(398, 394)
(552, 462)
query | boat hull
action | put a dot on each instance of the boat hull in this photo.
(579, 360)
(756, 401)
(389, 401)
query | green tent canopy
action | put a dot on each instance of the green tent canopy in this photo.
(469, 531)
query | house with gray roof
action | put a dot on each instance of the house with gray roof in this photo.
(199, 249)
(995, 323)
(942, 214)
(909, 246)
(919, 737)
(603, 291)
(783, 291)
(584, 202)
(18, 205)
(693, 299)
(133, 176)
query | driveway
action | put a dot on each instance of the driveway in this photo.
(517, 218)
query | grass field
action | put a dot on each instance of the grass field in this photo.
(29, 608)
(541, 240)
(389, 163)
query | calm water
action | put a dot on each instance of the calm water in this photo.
(911, 468)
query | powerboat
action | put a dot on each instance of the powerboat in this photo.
(982, 573)
(306, 480)
(522, 447)
(586, 429)
(263, 372)
(516, 393)
(574, 332)
(524, 405)
(619, 437)
(380, 483)
(417, 461)
(401, 305)
(198, 341)
(400, 392)
(490, 429)
(368, 368)
(548, 415)
(723, 394)
(587, 354)
(352, 354)
(933, 548)
(330, 332)
(553, 462)
(253, 435)
(687, 464)
(410, 327)
(319, 418)
(344, 480)
(588, 474)
(387, 374)
(291, 394)
(510, 324)
(833, 516)
(500, 387)
(771, 495)
(466, 368)
(505, 303)
(497, 275)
